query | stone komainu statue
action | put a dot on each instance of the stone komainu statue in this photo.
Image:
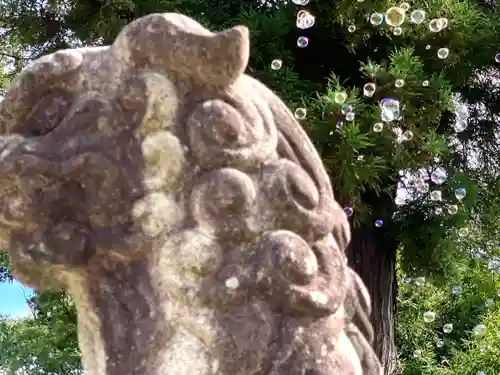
(182, 206)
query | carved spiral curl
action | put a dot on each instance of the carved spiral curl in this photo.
(241, 135)
(223, 200)
(313, 281)
(284, 208)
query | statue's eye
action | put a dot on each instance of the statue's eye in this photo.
(47, 113)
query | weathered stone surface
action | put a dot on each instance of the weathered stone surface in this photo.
(182, 206)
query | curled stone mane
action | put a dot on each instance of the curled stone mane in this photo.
(182, 206)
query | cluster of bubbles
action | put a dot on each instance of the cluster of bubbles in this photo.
(390, 112)
(420, 183)
(430, 316)
(478, 330)
(305, 20)
(393, 17)
(396, 16)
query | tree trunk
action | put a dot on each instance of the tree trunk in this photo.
(372, 254)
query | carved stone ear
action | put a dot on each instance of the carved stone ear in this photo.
(174, 43)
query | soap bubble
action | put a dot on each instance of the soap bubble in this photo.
(348, 211)
(395, 16)
(417, 16)
(379, 223)
(389, 109)
(425, 83)
(439, 343)
(464, 231)
(302, 41)
(276, 64)
(300, 113)
(460, 193)
(376, 19)
(386, 117)
(351, 28)
(435, 25)
(301, 2)
(369, 89)
(478, 330)
(305, 20)
(497, 58)
(428, 47)
(452, 209)
(448, 327)
(443, 53)
(378, 127)
(340, 125)
(438, 210)
(438, 176)
(339, 97)
(350, 116)
(436, 195)
(404, 6)
(397, 31)
(346, 108)
(407, 136)
(399, 83)
(456, 290)
(429, 316)
(443, 22)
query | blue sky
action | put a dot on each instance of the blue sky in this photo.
(13, 299)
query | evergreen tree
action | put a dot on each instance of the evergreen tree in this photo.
(379, 99)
